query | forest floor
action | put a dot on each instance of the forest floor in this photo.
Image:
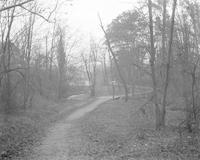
(22, 130)
(115, 130)
(56, 143)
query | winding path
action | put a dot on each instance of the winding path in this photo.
(54, 145)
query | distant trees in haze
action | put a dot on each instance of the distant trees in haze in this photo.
(90, 61)
(160, 41)
(29, 66)
(108, 43)
(156, 45)
(61, 58)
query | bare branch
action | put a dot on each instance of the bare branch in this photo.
(15, 5)
(37, 14)
(56, 6)
(14, 70)
(141, 68)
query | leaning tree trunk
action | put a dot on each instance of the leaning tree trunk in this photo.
(116, 63)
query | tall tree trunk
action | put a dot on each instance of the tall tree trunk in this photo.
(162, 123)
(112, 76)
(61, 57)
(6, 62)
(185, 65)
(51, 54)
(7, 89)
(116, 63)
(186, 95)
(105, 70)
(47, 56)
(164, 32)
(50, 65)
(60, 85)
(195, 21)
(163, 111)
(152, 64)
(27, 94)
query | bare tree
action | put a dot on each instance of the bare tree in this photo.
(168, 59)
(152, 64)
(28, 51)
(104, 65)
(90, 63)
(115, 60)
(15, 5)
(61, 58)
(6, 58)
(52, 51)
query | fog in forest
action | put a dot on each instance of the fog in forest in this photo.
(99, 79)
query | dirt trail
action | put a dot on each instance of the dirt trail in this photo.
(54, 146)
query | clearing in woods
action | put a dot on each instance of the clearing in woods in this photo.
(107, 130)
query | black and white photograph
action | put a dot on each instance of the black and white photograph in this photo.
(99, 79)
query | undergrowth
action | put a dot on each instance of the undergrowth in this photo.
(22, 130)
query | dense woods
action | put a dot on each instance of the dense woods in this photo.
(154, 45)
(28, 65)
(161, 46)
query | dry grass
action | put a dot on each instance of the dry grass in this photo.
(121, 131)
(22, 130)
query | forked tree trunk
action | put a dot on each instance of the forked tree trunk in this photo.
(163, 113)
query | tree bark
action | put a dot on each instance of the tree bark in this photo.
(6, 58)
(152, 64)
(115, 60)
(47, 56)
(162, 123)
(27, 90)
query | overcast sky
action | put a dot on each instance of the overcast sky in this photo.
(83, 13)
(82, 16)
